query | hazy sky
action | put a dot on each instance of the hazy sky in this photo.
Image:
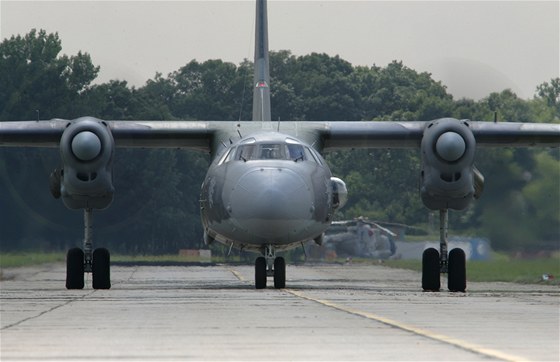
(474, 48)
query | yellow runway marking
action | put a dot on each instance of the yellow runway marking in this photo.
(237, 275)
(418, 331)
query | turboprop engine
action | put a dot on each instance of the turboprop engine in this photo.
(449, 179)
(85, 181)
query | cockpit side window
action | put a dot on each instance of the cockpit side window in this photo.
(230, 155)
(296, 152)
(310, 156)
(316, 157)
(226, 156)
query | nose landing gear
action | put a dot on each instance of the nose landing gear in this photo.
(270, 266)
(80, 261)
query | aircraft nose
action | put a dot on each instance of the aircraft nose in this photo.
(271, 202)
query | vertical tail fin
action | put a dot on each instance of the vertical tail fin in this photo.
(261, 92)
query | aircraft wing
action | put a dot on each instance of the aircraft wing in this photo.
(163, 134)
(31, 133)
(500, 134)
(160, 134)
(340, 135)
(199, 135)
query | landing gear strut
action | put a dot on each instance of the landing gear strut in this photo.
(436, 262)
(80, 261)
(270, 266)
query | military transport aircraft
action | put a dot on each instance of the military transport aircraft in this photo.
(268, 187)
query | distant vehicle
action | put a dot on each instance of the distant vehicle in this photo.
(360, 238)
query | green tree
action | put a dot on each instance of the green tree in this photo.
(210, 91)
(369, 174)
(113, 100)
(550, 92)
(34, 78)
(542, 196)
(156, 204)
(155, 98)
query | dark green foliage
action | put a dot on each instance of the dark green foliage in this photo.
(550, 93)
(156, 204)
(33, 77)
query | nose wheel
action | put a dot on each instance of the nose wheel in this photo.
(270, 266)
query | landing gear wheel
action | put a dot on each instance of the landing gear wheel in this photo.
(75, 269)
(260, 273)
(430, 270)
(101, 269)
(279, 273)
(457, 273)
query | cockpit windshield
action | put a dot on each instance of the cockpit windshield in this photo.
(270, 151)
(246, 152)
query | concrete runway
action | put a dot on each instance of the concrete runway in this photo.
(328, 312)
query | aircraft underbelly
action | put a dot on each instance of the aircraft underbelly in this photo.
(227, 234)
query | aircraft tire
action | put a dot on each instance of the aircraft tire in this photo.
(430, 270)
(75, 269)
(279, 273)
(101, 269)
(457, 271)
(260, 273)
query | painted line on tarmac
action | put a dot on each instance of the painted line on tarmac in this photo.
(237, 275)
(471, 347)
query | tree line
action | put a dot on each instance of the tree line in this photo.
(155, 209)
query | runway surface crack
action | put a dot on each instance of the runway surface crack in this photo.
(47, 311)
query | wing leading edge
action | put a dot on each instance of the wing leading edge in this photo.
(327, 136)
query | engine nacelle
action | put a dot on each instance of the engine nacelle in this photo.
(339, 193)
(448, 178)
(86, 179)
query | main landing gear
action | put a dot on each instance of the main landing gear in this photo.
(436, 262)
(270, 266)
(96, 262)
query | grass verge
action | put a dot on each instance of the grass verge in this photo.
(13, 260)
(500, 269)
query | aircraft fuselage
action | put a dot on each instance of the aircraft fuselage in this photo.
(268, 188)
